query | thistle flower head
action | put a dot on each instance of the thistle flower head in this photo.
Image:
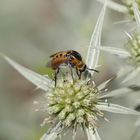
(74, 103)
(129, 4)
(133, 46)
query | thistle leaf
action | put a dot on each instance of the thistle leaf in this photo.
(137, 123)
(53, 134)
(93, 55)
(104, 84)
(114, 108)
(116, 93)
(40, 81)
(115, 51)
(92, 135)
(132, 75)
(116, 6)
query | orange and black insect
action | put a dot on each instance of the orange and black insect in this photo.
(71, 58)
(76, 62)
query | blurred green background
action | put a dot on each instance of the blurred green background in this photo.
(30, 31)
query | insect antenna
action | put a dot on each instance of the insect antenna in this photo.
(93, 70)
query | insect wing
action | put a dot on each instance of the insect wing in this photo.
(49, 64)
(53, 55)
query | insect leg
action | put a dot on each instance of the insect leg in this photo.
(56, 73)
(78, 73)
(71, 73)
(93, 70)
(70, 67)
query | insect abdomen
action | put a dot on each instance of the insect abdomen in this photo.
(58, 59)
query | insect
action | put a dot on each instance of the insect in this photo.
(71, 58)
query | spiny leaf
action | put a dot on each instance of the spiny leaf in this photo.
(53, 134)
(116, 6)
(93, 55)
(116, 51)
(116, 93)
(40, 81)
(92, 135)
(132, 75)
(114, 108)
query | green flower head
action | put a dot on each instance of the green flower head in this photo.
(133, 46)
(129, 4)
(74, 103)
